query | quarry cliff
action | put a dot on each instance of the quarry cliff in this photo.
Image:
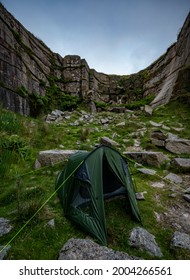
(33, 79)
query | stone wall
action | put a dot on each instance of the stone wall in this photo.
(32, 77)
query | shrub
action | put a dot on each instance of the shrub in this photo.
(14, 143)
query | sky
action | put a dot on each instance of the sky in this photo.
(114, 36)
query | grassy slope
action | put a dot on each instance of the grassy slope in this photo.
(24, 190)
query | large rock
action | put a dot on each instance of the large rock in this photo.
(148, 158)
(158, 138)
(86, 249)
(176, 179)
(181, 164)
(178, 146)
(3, 254)
(180, 240)
(143, 240)
(107, 141)
(5, 226)
(51, 157)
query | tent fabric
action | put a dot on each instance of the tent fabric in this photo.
(96, 176)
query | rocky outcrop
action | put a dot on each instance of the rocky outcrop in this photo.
(170, 74)
(34, 79)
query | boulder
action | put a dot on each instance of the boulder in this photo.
(148, 110)
(158, 138)
(104, 121)
(51, 157)
(86, 249)
(159, 185)
(121, 124)
(143, 240)
(158, 143)
(180, 240)
(178, 146)
(181, 164)
(147, 171)
(174, 178)
(4, 252)
(5, 226)
(107, 141)
(55, 116)
(155, 124)
(148, 158)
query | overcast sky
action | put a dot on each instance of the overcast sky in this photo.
(114, 36)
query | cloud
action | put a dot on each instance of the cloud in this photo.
(114, 36)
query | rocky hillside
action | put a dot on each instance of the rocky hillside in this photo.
(32, 76)
(33, 151)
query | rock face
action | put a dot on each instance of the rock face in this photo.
(33, 78)
(86, 249)
(170, 74)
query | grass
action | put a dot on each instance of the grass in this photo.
(24, 190)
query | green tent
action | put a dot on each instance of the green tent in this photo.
(88, 179)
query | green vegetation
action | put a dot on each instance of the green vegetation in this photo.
(139, 103)
(24, 190)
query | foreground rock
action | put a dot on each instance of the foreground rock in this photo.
(148, 158)
(143, 240)
(86, 249)
(3, 254)
(5, 226)
(51, 157)
(180, 240)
